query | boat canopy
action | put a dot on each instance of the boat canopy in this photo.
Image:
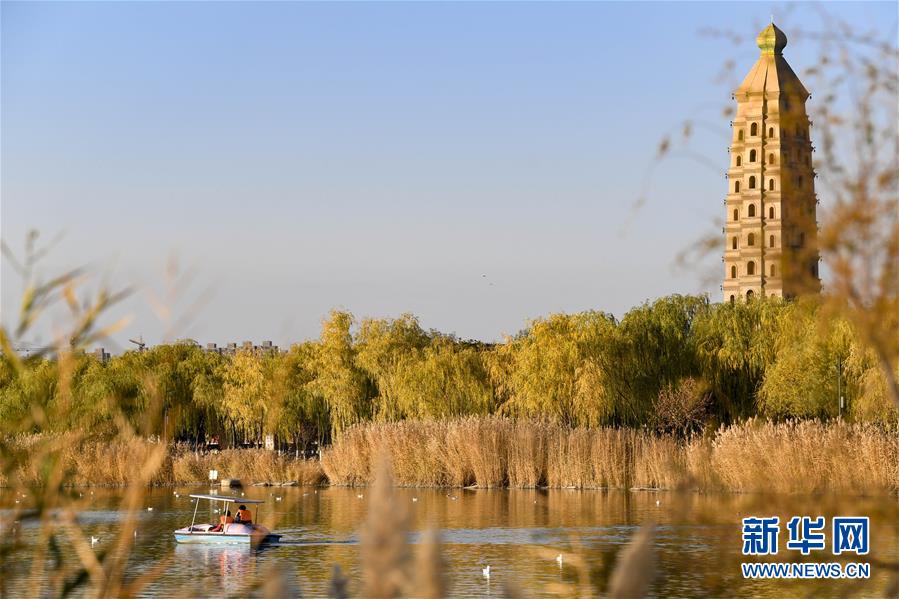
(228, 498)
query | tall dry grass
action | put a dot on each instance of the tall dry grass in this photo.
(807, 457)
(84, 462)
(116, 462)
(248, 465)
(791, 457)
(488, 452)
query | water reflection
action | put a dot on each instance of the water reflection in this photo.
(230, 566)
(518, 533)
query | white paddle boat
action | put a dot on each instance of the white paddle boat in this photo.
(233, 533)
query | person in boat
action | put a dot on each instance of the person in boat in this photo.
(243, 515)
(223, 520)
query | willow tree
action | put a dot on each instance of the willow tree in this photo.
(298, 413)
(735, 344)
(873, 401)
(384, 349)
(26, 391)
(554, 369)
(344, 387)
(183, 380)
(202, 415)
(446, 378)
(807, 376)
(102, 391)
(247, 393)
(653, 349)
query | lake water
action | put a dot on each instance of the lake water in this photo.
(517, 532)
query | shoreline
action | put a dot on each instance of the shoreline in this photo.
(791, 458)
(658, 490)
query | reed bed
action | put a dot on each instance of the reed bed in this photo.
(755, 456)
(807, 457)
(115, 462)
(94, 462)
(490, 452)
(249, 465)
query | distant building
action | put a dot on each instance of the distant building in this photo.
(771, 232)
(101, 354)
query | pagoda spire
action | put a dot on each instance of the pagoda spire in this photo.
(772, 40)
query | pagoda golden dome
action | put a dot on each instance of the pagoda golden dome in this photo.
(771, 40)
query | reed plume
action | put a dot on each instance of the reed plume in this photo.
(635, 568)
(385, 555)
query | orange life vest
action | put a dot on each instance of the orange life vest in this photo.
(245, 516)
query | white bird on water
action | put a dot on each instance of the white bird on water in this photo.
(359, 495)
(486, 572)
(559, 560)
(415, 499)
(149, 509)
(657, 502)
(277, 499)
(95, 540)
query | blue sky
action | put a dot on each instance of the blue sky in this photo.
(475, 164)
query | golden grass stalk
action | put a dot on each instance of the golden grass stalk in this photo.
(337, 586)
(430, 581)
(384, 549)
(635, 568)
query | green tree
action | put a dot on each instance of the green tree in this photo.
(180, 387)
(384, 349)
(344, 387)
(555, 369)
(802, 380)
(446, 378)
(35, 387)
(104, 390)
(871, 400)
(735, 343)
(247, 392)
(299, 414)
(653, 349)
